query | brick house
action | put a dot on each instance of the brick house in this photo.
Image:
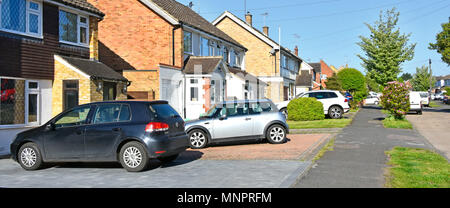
(152, 42)
(35, 36)
(266, 59)
(321, 71)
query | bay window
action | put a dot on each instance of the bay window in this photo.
(73, 28)
(21, 16)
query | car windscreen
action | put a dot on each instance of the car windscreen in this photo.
(423, 95)
(163, 111)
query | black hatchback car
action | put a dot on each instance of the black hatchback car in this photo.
(131, 132)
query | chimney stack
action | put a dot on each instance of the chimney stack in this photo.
(296, 50)
(248, 18)
(266, 31)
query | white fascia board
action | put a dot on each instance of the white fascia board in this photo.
(161, 12)
(247, 27)
(72, 8)
(70, 66)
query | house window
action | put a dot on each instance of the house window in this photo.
(73, 28)
(238, 59)
(21, 16)
(205, 46)
(188, 42)
(213, 91)
(194, 93)
(12, 105)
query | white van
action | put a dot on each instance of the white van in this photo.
(415, 102)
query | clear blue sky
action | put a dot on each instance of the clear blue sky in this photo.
(330, 29)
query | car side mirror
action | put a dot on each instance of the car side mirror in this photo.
(50, 127)
(223, 117)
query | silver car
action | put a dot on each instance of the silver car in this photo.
(238, 120)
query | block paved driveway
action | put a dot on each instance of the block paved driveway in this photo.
(259, 165)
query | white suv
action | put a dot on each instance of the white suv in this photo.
(334, 103)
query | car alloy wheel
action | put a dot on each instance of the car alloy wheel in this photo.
(28, 157)
(197, 139)
(335, 112)
(132, 157)
(276, 134)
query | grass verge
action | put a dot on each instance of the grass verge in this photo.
(434, 104)
(417, 168)
(397, 124)
(326, 123)
(328, 147)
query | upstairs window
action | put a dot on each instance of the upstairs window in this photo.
(73, 28)
(205, 47)
(188, 42)
(21, 16)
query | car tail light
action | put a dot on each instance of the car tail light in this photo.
(156, 126)
(345, 100)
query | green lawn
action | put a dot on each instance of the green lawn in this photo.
(417, 168)
(397, 124)
(326, 123)
(434, 104)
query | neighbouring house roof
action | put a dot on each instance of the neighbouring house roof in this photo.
(94, 69)
(82, 5)
(245, 75)
(316, 67)
(187, 16)
(304, 79)
(254, 31)
(443, 77)
(202, 64)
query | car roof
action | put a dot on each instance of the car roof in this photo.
(245, 101)
(129, 102)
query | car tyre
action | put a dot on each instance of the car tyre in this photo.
(29, 157)
(276, 134)
(198, 139)
(133, 157)
(335, 112)
(168, 159)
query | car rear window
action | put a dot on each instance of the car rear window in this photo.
(423, 95)
(163, 111)
(108, 113)
(257, 108)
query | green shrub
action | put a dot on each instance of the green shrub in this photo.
(305, 109)
(448, 91)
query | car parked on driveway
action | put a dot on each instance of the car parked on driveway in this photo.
(131, 132)
(372, 100)
(238, 120)
(334, 103)
(425, 98)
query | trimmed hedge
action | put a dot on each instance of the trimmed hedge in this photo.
(305, 109)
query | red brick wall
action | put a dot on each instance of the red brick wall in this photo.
(325, 70)
(132, 36)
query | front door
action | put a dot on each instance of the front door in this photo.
(32, 102)
(66, 140)
(237, 123)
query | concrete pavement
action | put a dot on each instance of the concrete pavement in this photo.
(434, 125)
(358, 159)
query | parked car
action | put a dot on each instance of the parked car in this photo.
(131, 132)
(348, 96)
(425, 98)
(446, 100)
(372, 100)
(415, 102)
(238, 120)
(439, 96)
(334, 103)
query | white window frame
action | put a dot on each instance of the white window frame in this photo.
(79, 24)
(28, 11)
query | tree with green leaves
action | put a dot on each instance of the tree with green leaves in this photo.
(421, 79)
(385, 49)
(351, 79)
(332, 83)
(406, 76)
(372, 85)
(442, 44)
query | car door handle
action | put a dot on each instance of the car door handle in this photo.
(206, 123)
(78, 132)
(116, 129)
(248, 119)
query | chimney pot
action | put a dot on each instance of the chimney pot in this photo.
(248, 18)
(266, 31)
(296, 50)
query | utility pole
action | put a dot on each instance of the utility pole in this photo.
(431, 73)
